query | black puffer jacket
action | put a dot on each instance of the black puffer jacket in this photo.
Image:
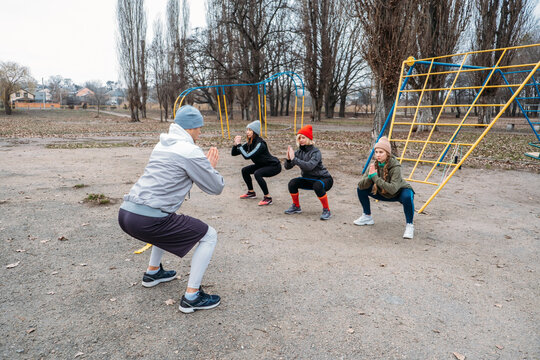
(257, 151)
(309, 160)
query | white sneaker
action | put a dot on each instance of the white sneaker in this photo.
(364, 220)
(409, 231)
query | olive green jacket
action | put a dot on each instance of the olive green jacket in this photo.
(394, 183)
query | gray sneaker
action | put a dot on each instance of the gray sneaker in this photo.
(293, 210)
(326, 214)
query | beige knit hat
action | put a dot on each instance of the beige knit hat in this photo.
(384, 144)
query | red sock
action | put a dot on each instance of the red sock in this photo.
(295, 200)
(324, 201)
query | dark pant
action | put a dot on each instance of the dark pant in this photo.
(174, 233)
(320, 186)
(404, 196)
(260, 171)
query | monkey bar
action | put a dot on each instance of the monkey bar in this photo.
(261, 90)
(430, 149)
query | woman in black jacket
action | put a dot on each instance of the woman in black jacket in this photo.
(314, 174)
(264, 164)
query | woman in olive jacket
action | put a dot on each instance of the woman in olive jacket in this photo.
(383, 181)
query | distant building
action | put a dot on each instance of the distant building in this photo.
(85, 95)
(115, 97)
(43, 94)
(21, 96)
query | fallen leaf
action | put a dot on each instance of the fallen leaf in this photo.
(20, 250)
(80, 353)
(62, 238)
(169, 302)
(500, 347)
(10, 266)
(31, 330)
(459, 356)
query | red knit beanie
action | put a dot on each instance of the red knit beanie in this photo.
(307, 131)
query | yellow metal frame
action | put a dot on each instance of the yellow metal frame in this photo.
(424, 155)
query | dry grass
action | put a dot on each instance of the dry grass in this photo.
(348, 138)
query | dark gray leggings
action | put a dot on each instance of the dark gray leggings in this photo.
(260, 172)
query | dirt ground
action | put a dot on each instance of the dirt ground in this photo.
(292, 287)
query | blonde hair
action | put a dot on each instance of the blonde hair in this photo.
(385, 173)
(308, 140)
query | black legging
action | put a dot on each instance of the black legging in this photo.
(320, 186)
(259, 172)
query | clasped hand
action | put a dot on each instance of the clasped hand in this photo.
(290, 153)
(213, 156)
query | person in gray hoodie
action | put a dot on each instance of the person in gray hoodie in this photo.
(148, 212)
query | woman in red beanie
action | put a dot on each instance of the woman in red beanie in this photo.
(314, 174)
(383, 181)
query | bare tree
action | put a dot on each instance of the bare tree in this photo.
(13, 77)
(321, 31)
(440, 27)
(500, 24)
(177, 29)
(55, 86)
(389, 37)
(158, 68)
(349, 65)
(131, 39)
(99, 93)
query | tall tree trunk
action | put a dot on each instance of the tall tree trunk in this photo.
(384, 105)
(342, 105)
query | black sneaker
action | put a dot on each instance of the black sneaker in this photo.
(159, 277)
(326, 214)
(202, 302)
(293, 210)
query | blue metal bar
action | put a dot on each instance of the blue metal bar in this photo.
(521, 107)
(388, 117)
(535, 85)
(452, 65)
(294, 76)
(520, 71)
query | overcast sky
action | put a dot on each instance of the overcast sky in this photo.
(74, 38)
(71, 38)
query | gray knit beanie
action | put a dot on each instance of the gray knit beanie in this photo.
(189, 117)
(255, 126)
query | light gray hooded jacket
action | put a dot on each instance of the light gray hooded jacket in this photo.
(175, 164)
